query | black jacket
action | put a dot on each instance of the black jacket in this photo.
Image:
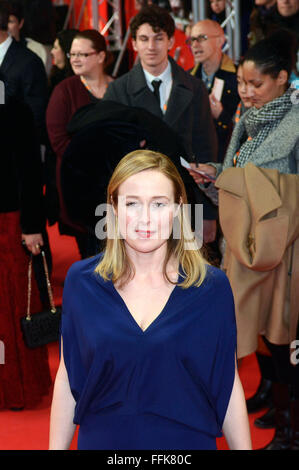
(188, 114)
(25, 78)
(230, 99)
(21, 169)
(102, 134)
(188, 110)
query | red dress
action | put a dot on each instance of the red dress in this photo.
(25, 375)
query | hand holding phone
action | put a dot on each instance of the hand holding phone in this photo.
(201, 173)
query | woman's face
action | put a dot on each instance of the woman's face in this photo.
(58, 55)
(287, 7)
(262, 88)
(242, 88)
(84, 58)
(217, 6)
(145, 210)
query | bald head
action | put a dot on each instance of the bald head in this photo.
(209, 26)
(207, 39)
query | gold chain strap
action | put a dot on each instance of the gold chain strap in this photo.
(50, 293)
(28, 316)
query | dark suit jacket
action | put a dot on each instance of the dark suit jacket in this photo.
(21, 187)
(25, 78)
(230, 99)
(188, 113)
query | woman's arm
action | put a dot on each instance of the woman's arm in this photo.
(236, 425)
(62, 427)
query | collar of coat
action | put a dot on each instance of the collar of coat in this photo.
(181, 96)
(137, 82)
(226, 65)
(259, 187)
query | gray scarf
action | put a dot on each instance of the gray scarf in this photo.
(259, 123)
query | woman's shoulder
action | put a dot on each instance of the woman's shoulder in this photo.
(216, 278)
(213, 299)
(219, 296)
(215, 283)
(68, 84)
(82, 269)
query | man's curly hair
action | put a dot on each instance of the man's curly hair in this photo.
(158, 18)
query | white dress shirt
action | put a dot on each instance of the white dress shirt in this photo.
(165, 87)
(4, 47)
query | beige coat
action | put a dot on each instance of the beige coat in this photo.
(259, 217)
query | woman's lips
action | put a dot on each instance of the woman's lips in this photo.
(144, 233)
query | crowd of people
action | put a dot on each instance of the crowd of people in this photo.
(76, 137)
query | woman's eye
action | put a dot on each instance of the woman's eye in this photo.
(158, 204)
(131, 204)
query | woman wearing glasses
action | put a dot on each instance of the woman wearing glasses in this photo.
(89, 60)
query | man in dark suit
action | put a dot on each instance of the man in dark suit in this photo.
(160, 86)
(23, 73)
(212, 66)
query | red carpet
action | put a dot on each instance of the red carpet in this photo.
(29, 429)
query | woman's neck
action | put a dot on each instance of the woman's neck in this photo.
(150, 264)
(96, 83)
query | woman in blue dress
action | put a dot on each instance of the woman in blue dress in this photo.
(148, 329)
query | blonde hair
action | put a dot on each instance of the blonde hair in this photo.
(115, 264)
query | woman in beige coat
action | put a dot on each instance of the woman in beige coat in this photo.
(258, 210)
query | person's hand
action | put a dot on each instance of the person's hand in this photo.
(198, 178)
(216, 106)
(33, 242)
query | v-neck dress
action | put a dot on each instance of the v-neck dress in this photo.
(167, 387)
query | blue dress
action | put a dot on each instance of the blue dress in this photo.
(167, 387)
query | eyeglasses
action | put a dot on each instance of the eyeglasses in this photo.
(200, 38)
(72, 55)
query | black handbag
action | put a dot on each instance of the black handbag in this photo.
(41, 328)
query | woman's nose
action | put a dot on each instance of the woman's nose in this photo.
(145, 215)
(249, 91)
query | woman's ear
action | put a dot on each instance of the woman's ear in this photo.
(102, 57)
(282, 77)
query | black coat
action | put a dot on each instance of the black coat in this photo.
(102, 134)
(21, 186)
(188, 110)
(25, 78)
(188, 114)
(230, 99)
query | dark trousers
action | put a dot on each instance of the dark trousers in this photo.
(279, 368)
